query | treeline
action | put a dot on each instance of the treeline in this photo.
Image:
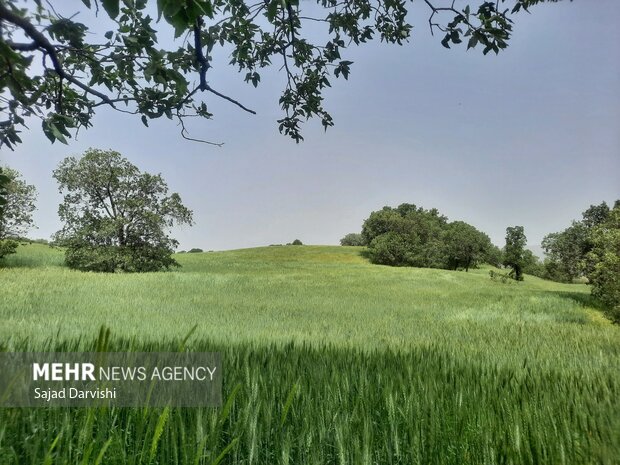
(409, 235)
(589, 248)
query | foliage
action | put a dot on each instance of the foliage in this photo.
(494, 256)
(296, 242)
(195, 250)
(532, 264)
(353, 239)
(60, 71)
(115, 217)
(17, 203)
(405, 236)
(464, 245)
(566, 252)
(7, 247)
(605, 258)
(390, 249)
(4, 182)
(412, 236)
(514, 251)
(504, 278)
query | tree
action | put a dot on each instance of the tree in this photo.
(532, 264)
(605, 259)
(514, 251)
(567, 251)
(115, 217)
(405, 236)
(59, 70)
(494, 256)
(465, 246)
(391, 249)
(353, 239)
(17, 202)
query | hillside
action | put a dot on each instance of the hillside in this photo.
(318, 294)
(386, 365)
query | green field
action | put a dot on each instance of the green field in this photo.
(335, 361)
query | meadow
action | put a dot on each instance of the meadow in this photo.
(328, 360)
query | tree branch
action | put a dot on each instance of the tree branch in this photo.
(204, 67)
(44, 44)
(231, 100)
(200, 57)
(23, 47)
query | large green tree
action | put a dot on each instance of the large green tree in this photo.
(567, 250)
(116, 218)
(465, 246)
(604, 272)
(405, 236)
(17, 203)
(58, 69)
(514, 251)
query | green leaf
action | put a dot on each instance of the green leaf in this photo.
(161, 4)
(473, 41)
(111, 7)
(225, 451)
(272, 10)
(288, 403)
(108, 35)
(159, 429)
(102, 451)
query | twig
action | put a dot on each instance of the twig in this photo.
(45, 44)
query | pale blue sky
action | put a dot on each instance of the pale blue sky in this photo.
(530, 137)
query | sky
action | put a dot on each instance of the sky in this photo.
(530, 137)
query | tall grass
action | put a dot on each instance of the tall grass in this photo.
(297, 404)
(327, 360)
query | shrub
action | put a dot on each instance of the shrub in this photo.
(389, 249)
(195, 250)
(353, 239)
(297, 242)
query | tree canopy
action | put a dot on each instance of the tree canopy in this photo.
(604, 258)
(413, 236)
(353, 239)
(514, 251)
(567, 251)
(115, 216)
(59, 70)
(465, 246)
(17, 203)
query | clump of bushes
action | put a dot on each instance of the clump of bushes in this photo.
(413, 236)
(505, 278)
(353, 239)
(195, 250)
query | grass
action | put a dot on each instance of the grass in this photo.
(328, 360)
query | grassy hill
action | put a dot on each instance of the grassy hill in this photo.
(317, 294)
(386, 365)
